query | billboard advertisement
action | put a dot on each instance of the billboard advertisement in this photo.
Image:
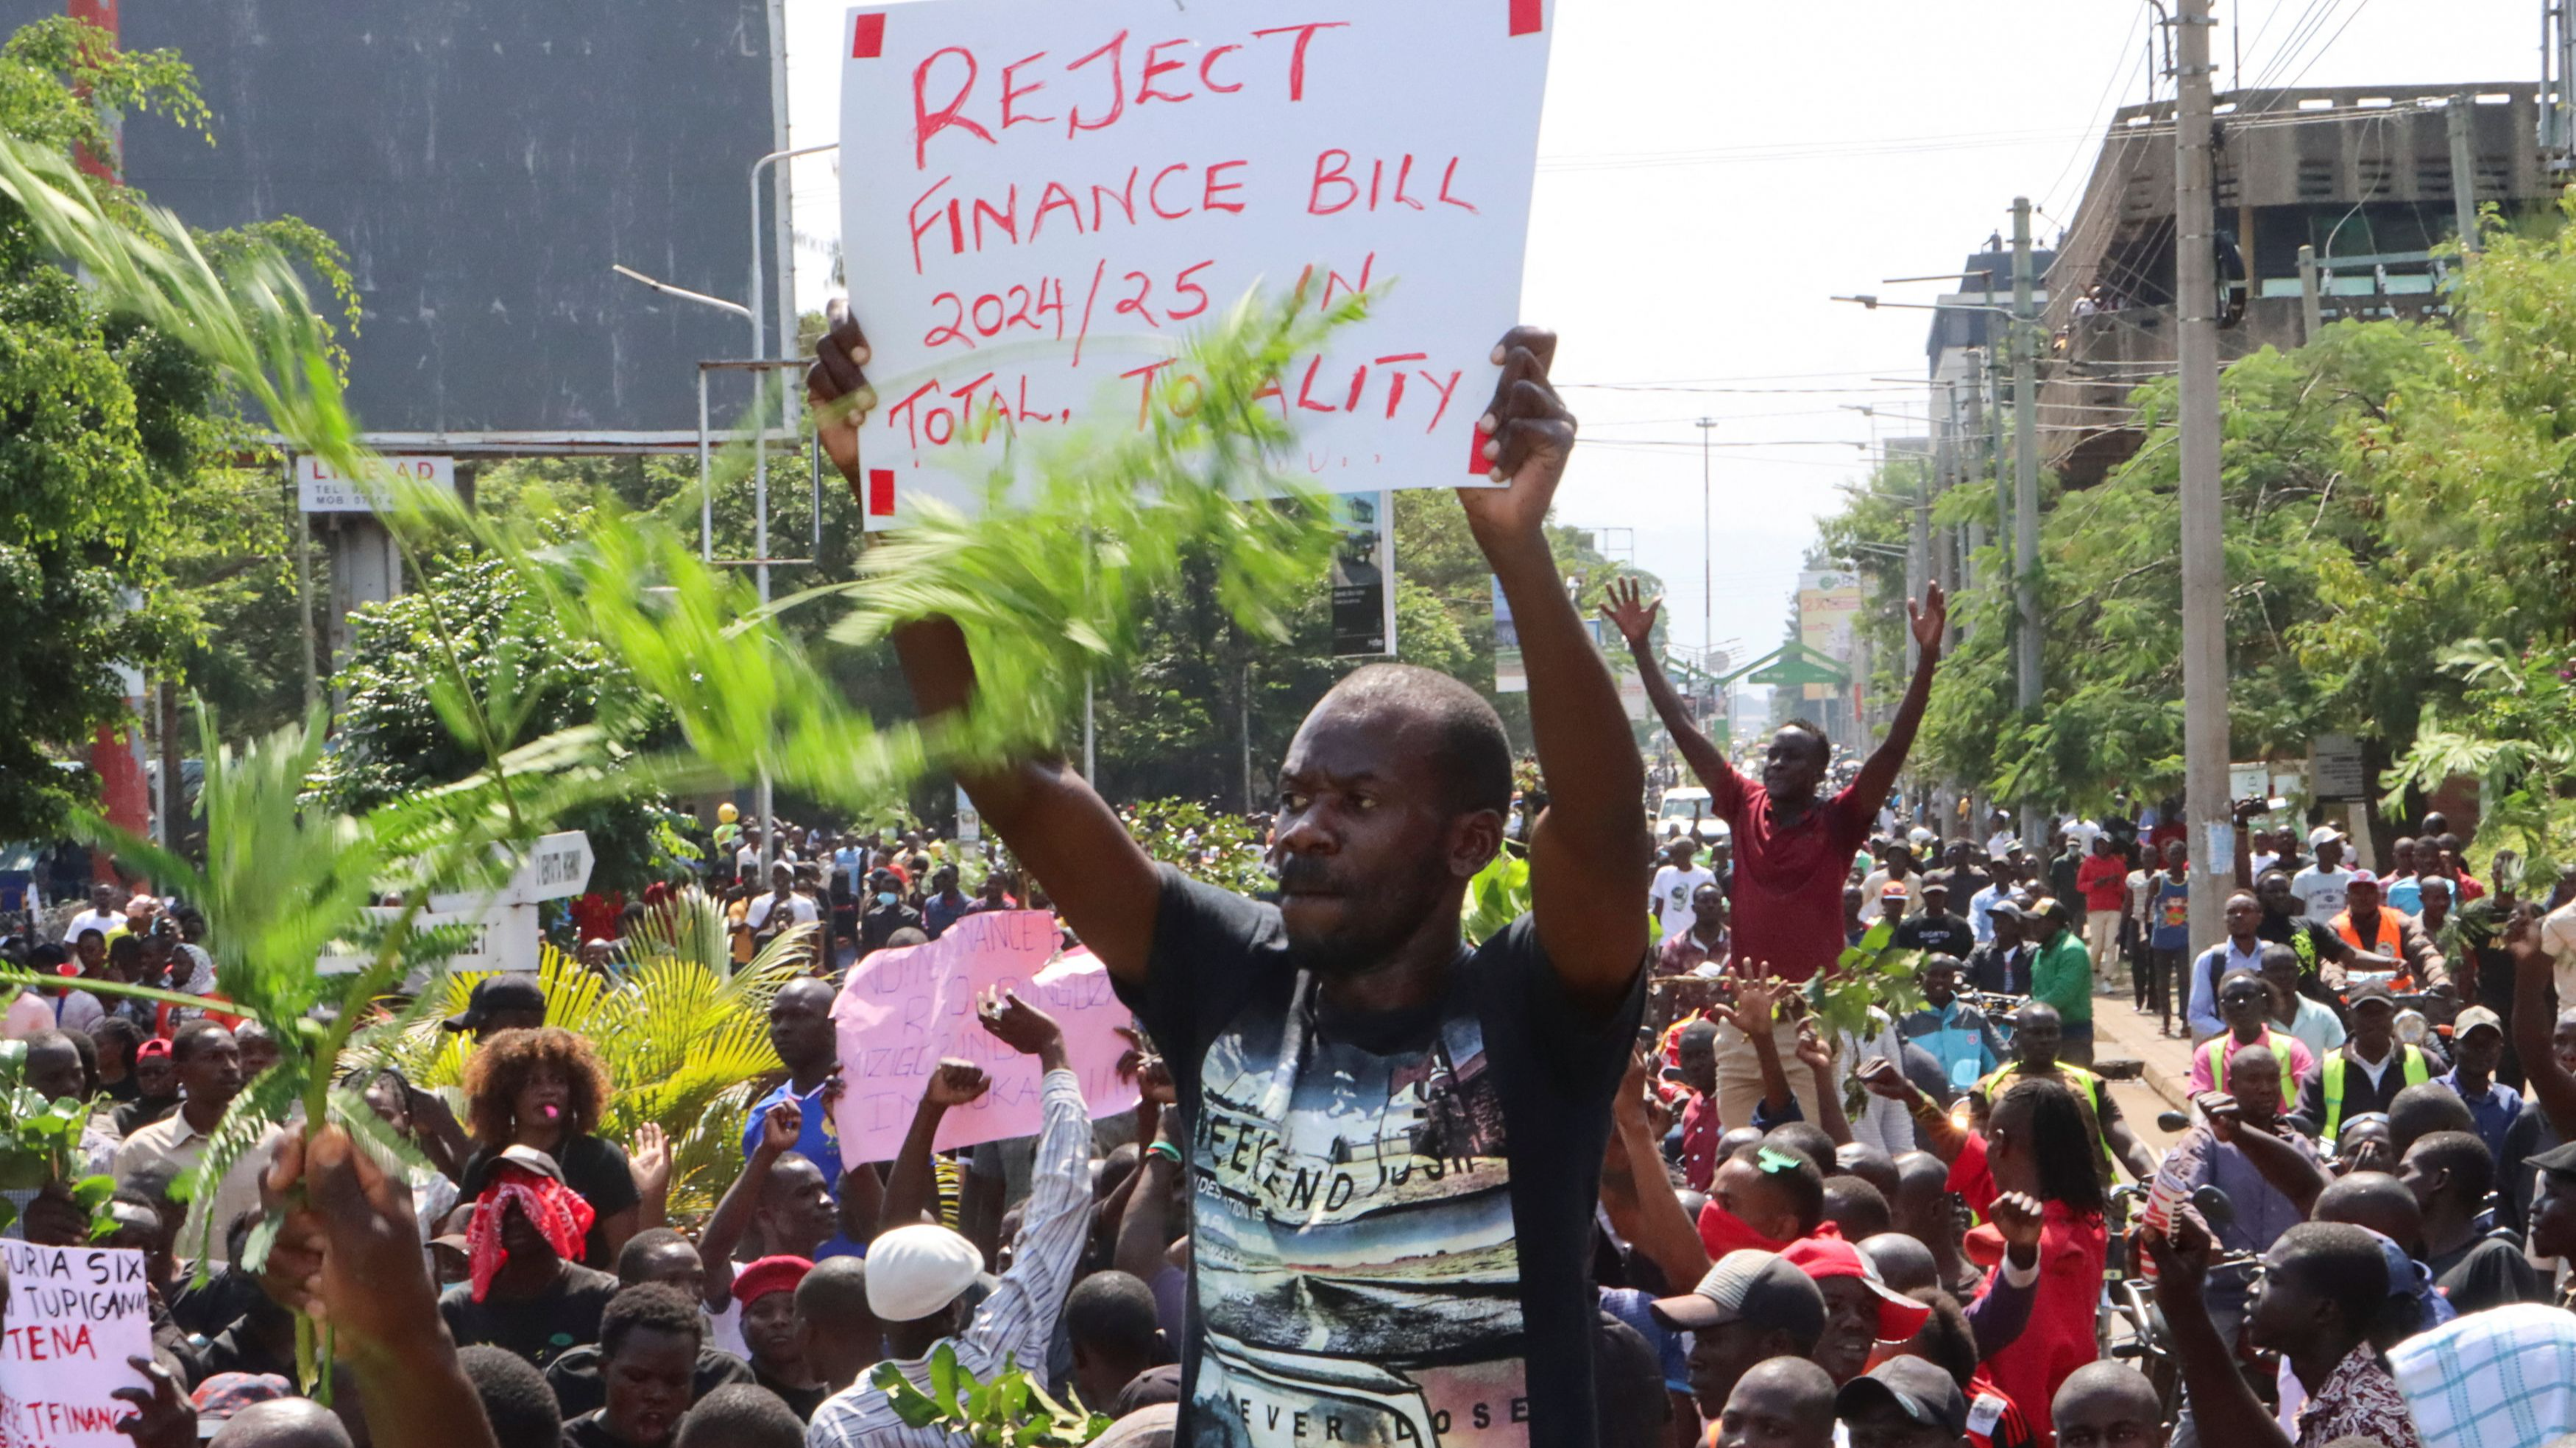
(483, 164)
(1828, 606)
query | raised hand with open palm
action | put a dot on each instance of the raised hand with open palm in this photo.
(1635, 620)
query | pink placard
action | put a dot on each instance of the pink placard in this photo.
(901, 1011)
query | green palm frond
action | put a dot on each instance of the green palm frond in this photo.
(262, 1104)
(682, 1031)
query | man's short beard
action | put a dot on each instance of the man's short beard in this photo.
(1336, 956)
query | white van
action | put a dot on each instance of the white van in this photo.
(1686, 807)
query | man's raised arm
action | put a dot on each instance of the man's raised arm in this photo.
(1878, 776)
(1636, 623)
(1588, 849)
(1048, 815)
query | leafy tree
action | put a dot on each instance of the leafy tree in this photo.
(2476, 472)
(683, 1031)
(109, 425)
(404, 727)
(2299, 522)
(83, 516)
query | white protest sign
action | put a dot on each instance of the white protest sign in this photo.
(900, 1011)
(1040, 200)
(75, 1315)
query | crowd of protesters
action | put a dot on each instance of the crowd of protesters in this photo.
(1603, 1176)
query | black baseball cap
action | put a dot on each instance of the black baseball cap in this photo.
(1761, 1288)
(2558, 1161)
(1923, 1392)
(2372, 990)
(494, 994)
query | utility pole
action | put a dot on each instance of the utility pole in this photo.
(1918, 548)
(1974, 438)
(1707, 555)
(1954, 473)
(2025, 323)
(2204, 565)
(2310, 313)
(2025, 509)
(2460, 120)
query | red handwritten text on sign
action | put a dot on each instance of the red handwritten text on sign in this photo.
(1042, 200)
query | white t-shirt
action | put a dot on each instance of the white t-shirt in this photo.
(2320, 892)
(1673, 889)
(799, 909)
(1878, 881)
(2080, 833)
(80, 1012)
(1999, 844)
(2558, 939)
(101, 921)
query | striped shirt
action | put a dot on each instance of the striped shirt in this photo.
(1017, 1322)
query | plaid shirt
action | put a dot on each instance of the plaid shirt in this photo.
(2502, 1378)
(1018, 1320)
(2360, 1400)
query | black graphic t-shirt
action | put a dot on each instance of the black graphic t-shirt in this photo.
(1391, 1212)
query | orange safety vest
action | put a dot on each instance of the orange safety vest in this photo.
(2391, 940)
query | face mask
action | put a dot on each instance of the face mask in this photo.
(885, 897)
(1725, 1232)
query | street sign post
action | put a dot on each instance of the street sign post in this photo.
(557, 867)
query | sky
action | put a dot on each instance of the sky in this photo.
(1711, 172)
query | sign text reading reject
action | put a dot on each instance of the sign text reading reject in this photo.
(75, 1315)
(900, 1011)
(1041, 199)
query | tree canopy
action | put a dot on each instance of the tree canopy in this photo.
(2398, 555)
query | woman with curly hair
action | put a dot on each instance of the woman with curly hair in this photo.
(545, 1089)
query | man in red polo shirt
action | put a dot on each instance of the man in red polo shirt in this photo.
(1792, 849)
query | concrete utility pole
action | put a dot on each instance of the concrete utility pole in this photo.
(2025, 326)
(1918, 551)
(1707, 555)
(2311, 316)
(2204, 566)
(2460, 120)
(2025, 508)
(1974, 439)
(1954, 473)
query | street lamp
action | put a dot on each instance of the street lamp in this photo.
(1872, 302)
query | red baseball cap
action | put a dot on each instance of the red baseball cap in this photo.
(770, 1274)
(1899, 1316)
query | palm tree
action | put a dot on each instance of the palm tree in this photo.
(683, 1032)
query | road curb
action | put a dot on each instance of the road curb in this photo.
(2164, 1063)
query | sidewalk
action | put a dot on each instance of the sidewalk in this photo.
(2119, 1030)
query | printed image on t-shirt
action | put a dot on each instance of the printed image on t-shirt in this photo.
(1357, 1273)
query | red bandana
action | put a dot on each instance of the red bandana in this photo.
(553, 1208)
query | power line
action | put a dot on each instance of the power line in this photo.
(1731, 391)
(2358, 7)
(1795, 151)
(2120, 64)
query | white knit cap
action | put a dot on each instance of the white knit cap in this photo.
(915, 1271)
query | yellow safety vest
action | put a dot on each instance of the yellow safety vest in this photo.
(2330, 1075)
(2209, 1054)
(2093, 1085)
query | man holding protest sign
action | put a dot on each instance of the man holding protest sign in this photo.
(1395, 1139)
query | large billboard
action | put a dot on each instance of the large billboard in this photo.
(484, 162)
(1828, 605)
